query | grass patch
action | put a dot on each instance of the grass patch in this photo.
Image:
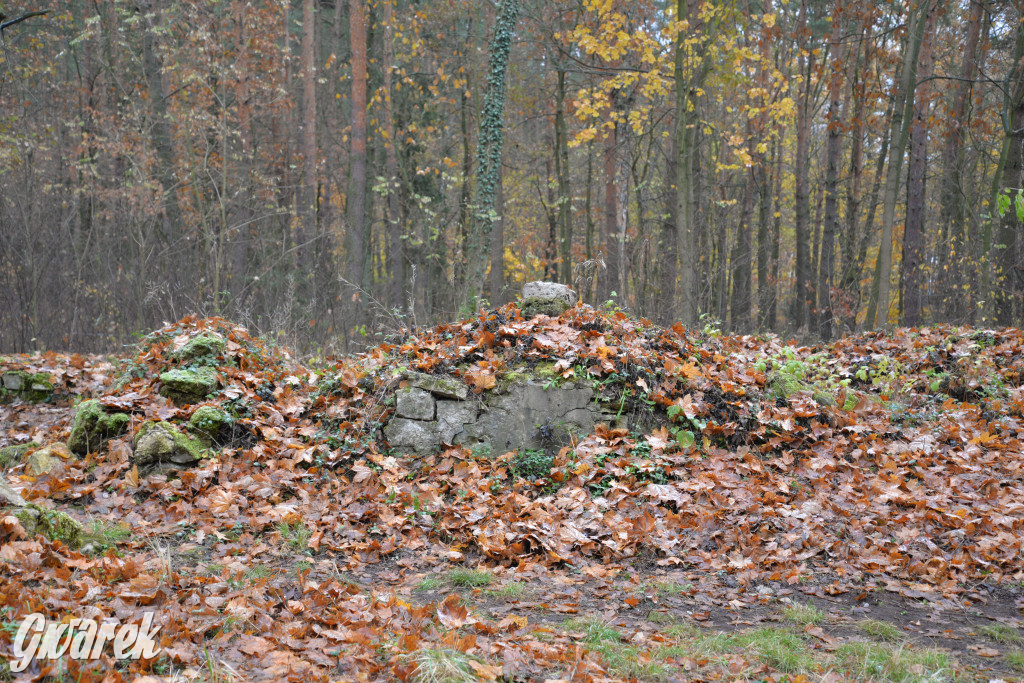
(881, 630)
(469, 578)
(666, 588)
(442, 665)
(1001, 633)
(296, 535)
(430, 583)
(104, 535)
(1015, 660)
(257, 572)
(778, 648)
(661, 618)
(804, 614)
(898, 665)
(512, 590)
(622, 660)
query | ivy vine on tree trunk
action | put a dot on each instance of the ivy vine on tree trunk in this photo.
(492, 121)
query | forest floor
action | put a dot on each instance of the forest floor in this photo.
(765, 511)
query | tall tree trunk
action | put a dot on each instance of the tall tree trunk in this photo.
(162, 135)
(899, 132)
(953, 258)
(489, 147)
(608, 279)
(915, 222)
(799, 307)
(498, 294)
(308, 222)
(1007, 282)
(397, 256)
(833, 155)
(356, 243)
(741, 256)
(562, 171)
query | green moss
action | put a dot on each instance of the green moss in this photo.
(532, 306)
(13, 455)
(187, 386)
(55, 525)
(93, 427)
(207, 421)
(162, 442)
(30, 387)
(203, 346)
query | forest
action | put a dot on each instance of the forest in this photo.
(330, 172)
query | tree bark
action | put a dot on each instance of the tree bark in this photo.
(915, 223)
(308, 223)
(356, 201)
(489, 148)
(899, 132)
(799, 306)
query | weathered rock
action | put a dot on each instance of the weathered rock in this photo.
(161, 442)
(452, 417)
(44, 460)
(13, 455)
(93, 427)
(203, 346)
(9, 497)
(31, 387)
(445, 387)
(415, 404)
(207, 421)
(525, 415)
(55, 525)
(546, 298)
(188, 386)
(412, 435)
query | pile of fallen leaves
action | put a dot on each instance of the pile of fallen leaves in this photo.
(881, 459)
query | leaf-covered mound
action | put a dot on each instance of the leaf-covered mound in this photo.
(890, 457)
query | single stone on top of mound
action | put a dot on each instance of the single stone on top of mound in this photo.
(161, 443)
(205, 345)
(546, 298)
(186, 386)
(93, 427)
(445, 387)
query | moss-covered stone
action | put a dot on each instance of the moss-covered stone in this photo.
(13, 455)
(188, 386)
(207, 421)
(93, 427)
(445, 387)
(532, 306)
(44, 460)
(202, 347)
(161, 442)
(30, 387)
(55, 525)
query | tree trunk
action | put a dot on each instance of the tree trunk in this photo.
(397, 255)
(564, 192)
(799, 307)
(608, 280)
(356, 243)
(833, 155)
(489, 147)
(899, 132)
(1008, 273)
(953, 261)
(915, 222)
(308, 223)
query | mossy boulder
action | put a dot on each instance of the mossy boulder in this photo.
(93, 427)
(207, 422)
(44, 460)
(445, 387)
(28, 386)
(186, 386)
(13, 455)
(201, 347)
(532, 306)
(55, 525)
(161, 443)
